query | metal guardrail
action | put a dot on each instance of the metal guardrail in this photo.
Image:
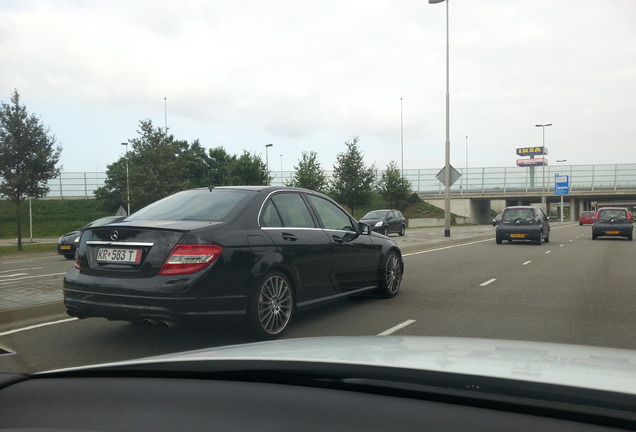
(608, 177)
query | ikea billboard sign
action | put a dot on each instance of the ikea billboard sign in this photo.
(531, 151)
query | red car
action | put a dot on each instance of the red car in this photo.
(586, 218)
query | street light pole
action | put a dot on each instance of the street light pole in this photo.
(447, 168)
(402, 137)
(127, 179)
(267, 146)
(543, 201)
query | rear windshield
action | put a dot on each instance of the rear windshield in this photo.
(513, 215)
(588, 214)
(201, 205)
(609, 215)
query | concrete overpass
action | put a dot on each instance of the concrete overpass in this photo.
(481, 190)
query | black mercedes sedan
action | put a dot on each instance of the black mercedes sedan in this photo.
(247, 252)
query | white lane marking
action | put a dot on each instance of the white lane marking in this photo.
(30, 277)
(547, 252)
(21, 269)
(446, 247)
(36, 326)
(13, 275)
(488, 282)
(561, 245)
(526, 263)
(396, 328)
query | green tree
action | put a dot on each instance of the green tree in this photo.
(309, 174)
(158, 165)
(28, 156)
(218, 164)
(352, 180)
(247, 169)
(393, 187)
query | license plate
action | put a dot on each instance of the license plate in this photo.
(612, 232)
(517, 235)
(125, 256)
(67, 247)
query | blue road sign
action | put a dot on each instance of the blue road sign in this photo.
(561, 184)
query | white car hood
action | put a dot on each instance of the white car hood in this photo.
(596, 368)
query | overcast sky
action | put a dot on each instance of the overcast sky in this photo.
(309, 75)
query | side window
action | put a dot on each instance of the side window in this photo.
(292, 210)
(270, 216)
(331, 215)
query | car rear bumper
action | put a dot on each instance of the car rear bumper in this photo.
(167, 311)
(518, 234)
(171, 303)
(612, 230)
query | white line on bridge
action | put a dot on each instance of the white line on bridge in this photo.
(36, 326)
(396, 328)
(488, 282)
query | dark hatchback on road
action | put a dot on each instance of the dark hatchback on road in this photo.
(613, 222)
(385, 221)
(67, 243)
(256, 253)
(528, 223)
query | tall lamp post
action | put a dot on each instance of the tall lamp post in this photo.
(543, 203)
(447, 167)
(402, 137)
(127, 179)
(267, 146)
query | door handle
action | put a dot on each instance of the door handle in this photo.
(288, 236)
(337, 239)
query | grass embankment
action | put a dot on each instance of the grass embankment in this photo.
(50, 218)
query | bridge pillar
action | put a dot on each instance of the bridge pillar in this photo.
(575, 209)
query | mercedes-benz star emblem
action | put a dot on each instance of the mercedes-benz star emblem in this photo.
(114, 235)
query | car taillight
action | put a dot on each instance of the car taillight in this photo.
(188, 258)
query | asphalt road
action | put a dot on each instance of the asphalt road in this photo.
(571, 290)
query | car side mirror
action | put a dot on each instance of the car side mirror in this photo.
(364, 229)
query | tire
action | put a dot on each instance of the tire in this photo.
(69, 256)
(540, 239)
(391, 276)
(594, 236)
(402, 231)
(271, 307)
(498, 240)
(385, 230)
(547, 239)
